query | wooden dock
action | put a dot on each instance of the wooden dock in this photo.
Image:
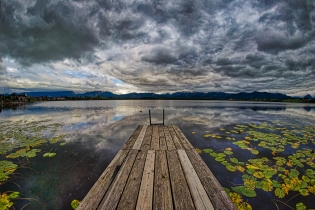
(157, 168)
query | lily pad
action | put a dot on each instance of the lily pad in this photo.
(254, 151)
(245, 191)
(293, 173)
(279, 193)
(258, 174)
(14, 195)
(75, 204)
(220, 159)
(231, 168)
(300, 206)
(49, 154)
(207, 150)
(304, 192)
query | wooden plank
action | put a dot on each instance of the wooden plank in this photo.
(176, 140)
(145, 197)
(130, 194)
(200, 196)
(155, 144)
(111, 198)
(131, 141)
(216, 193)
(180, 190)
(163, 145)
(168, 138)
(146, 144)
(182, 138)
(162, 189)
(140, 138)
(97, 192)
(161, 131)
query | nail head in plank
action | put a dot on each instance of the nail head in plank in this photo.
(198, 192)
(97, 192)
(130, 194)
(112, 197)
(145, 197)
(216, 193)
(140, 138)
(181, 194)
(162, 198)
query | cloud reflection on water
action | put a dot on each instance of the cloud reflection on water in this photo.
(98, 129)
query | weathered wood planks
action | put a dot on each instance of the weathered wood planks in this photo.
(146, 188)
(157, 168)
(97, 192)
(216, 193)
(197, 191)
(162, 188)
(140, 138)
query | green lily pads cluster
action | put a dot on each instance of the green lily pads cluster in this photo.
(278, 172)
(6, 168)
(5, 200)
(19, 139)
(28, 153)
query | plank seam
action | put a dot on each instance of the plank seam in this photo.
(116, 180)
(139, 140)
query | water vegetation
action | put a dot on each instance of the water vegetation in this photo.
(289, 166)
(75, 203)
(22, 140)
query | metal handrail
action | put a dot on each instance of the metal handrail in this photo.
(155, 123)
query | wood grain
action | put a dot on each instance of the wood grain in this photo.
(162, 188)
(200, 196)
(181, 194)
(168, 139)
(111, 198)
(129, 197)
(216, 193)
(182, 138)
(145, 197)
(155, 144)
(146, 144)
(140, 138)
(176, 140)
(132, 139)
(97, 192)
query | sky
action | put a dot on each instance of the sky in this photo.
(158, 46)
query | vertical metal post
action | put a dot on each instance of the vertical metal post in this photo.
(150, 116)
(163, 117)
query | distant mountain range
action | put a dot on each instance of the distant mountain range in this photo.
(177, 95)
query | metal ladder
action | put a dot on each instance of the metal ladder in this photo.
(155, 123)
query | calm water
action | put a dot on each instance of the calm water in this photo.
(98, 129)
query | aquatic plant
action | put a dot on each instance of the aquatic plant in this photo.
(19, 139)
(279, 172)
(75, 204)
(5, 200)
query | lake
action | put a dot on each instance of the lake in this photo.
(264, 147)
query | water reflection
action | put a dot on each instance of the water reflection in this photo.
(98, 129)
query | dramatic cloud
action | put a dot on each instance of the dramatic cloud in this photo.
(158, 46)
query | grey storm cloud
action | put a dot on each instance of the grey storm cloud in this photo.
(166, 45)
